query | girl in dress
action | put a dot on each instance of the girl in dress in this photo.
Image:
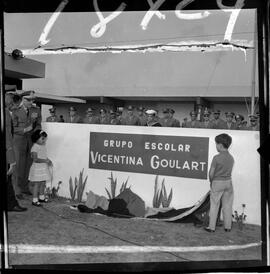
(39, 171)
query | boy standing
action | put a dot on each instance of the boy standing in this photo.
(221, 183)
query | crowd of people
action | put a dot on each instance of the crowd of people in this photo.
(23, 120)
(150, 117)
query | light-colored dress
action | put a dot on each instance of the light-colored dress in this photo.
(39, 171)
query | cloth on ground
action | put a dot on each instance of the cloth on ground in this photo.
(94, 201)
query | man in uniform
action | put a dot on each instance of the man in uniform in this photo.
(253, 123)
(142, 117)
(12, 203)
(151, 118)
(53, 117)
(239, 122)
(104, 119)
(73, 116)
(90, 118)
(131, 119)
(119, 114)
(193, 123)
(165, 121)
(217, 121)
(206, 123)
(113, 118)
(26, 119)
(175, 123)
(229, 124)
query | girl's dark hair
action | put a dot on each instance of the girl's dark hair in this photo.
(37, 134)
(224, 139)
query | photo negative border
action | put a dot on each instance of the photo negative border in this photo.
(262, 7)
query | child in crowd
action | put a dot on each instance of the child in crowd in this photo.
(39, 171)
(221, 183)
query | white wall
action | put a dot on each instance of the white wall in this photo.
(68, 147)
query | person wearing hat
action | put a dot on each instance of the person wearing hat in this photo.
(53, 117)
(207, 123)
(239, 122)
(113, 118)
(131, 119)
(229, 124)
(253, 123)
(217, 121)
(104, 119)
(73, 116)
(12, 203)
(26, 119)
(193, 123)
(141, 115)
(90, 118)
(175, 122)
(119, 114)
(151, 118)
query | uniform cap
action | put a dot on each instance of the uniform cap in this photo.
(141, 108)
(206, 112)
(151, 112)
(216, 111)
(229, 113)
(253, 117)
(89, 110)
(102, 110)
(130, 107)
(29, 95)
(72, 109)
(193, 112)
(112, 112)
(52, 110)
(120, 109)
(239, 116)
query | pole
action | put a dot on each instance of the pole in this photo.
(253, 85)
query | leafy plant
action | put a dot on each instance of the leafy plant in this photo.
(78, 187)
(124, 186)
(166, 200)
(157, 194)
(113, 182)
(240, 218)
(160, 196)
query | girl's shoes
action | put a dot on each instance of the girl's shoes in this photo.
(227, 229)
(36, 204)
(46, 200)
(208, 229)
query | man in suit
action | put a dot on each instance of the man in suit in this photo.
(26, 119)
(206, 123)
(229, 124)
(193, 123)
(53, 117)
(90, 117)
(217, 121)
(131, 119)
(73, 116)
(12, 203)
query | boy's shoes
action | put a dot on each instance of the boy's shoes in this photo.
(208, 229)
(227, 229)
(36, 204)
(46, 200)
